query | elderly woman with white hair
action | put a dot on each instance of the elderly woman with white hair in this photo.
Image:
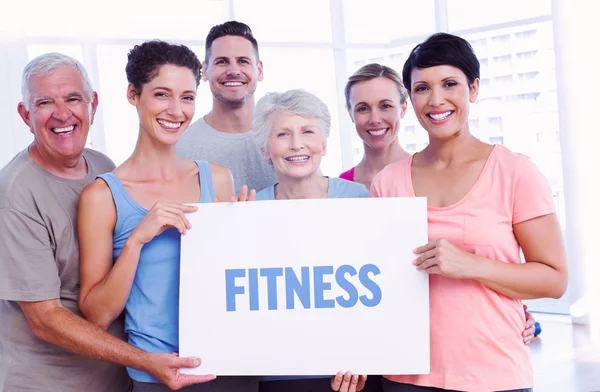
(291, 130)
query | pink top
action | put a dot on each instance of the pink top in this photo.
(476, 341)
(348, 175)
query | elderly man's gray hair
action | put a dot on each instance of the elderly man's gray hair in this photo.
(295, 102)
(45, 65)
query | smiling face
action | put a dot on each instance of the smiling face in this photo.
(166, 104)
(441, 97)
(60, 113)
(295, 145)
(376, 110)
(233, 70)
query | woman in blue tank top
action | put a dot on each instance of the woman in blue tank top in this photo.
(291, 130)
(131, 220)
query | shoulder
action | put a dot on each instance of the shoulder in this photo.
(344, 188)
(394, 180)
(510, 164)
(196, 129)
(99, 162)
(20, 182)
(96, 193)
(220, 171)
(394, 172)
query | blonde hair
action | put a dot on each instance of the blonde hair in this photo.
(372, 71)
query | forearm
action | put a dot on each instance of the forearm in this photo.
(61, 327)
(529, 280)
(106, 300)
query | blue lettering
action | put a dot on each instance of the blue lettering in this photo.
(321, 287)
(363, 276)
(271, 274)
(231, 289)
(340, 278)
(253, 288)
(293, 285)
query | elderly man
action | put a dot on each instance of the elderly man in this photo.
(45, 345)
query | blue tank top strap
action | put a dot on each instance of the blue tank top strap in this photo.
(123, 201)
(207, 192)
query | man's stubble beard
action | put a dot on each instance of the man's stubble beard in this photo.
(235, 103)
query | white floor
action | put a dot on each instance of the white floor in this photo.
(566, 357)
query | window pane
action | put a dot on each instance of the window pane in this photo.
(468, 14)
(382, 21)
(518, 105)
(120, 118)
(286, 69)
(188, 19)
(291, 21)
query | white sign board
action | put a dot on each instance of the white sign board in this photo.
(305, 287)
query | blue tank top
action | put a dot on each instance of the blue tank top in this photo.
(152, 309)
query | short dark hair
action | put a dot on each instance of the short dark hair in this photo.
(442, 49)
(370, 72)
(232, 27)
(143, 61)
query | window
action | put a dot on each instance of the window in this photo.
(528, 75)
(527, 97)
(411, 147)
(128, 20)
(478, 44)
(380, 21)
(281, 21)
(526, 35)
(474, 125)
(502, 59)
(495, 121)
(539, 137)
(496, 140)
(460, 12)
(527, 55)
(410, 129)
(503, 80)
(499, 39)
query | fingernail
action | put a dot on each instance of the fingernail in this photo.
(414, 262)
(196, 362)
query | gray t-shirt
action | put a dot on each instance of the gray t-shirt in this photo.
(236, 151)
(39, 260)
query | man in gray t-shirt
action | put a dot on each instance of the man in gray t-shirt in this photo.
(39, 259)
(45, 344)
(233, 69)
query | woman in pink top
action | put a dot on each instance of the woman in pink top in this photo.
(376, 102)
(485, 204)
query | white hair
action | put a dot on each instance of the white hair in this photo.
(295, 102)
(47, 64)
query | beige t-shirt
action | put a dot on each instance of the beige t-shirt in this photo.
(39, 260)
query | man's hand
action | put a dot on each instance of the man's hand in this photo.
(165, 368)
(347, 382)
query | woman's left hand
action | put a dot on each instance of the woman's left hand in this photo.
(443, 258)
(348, 382)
